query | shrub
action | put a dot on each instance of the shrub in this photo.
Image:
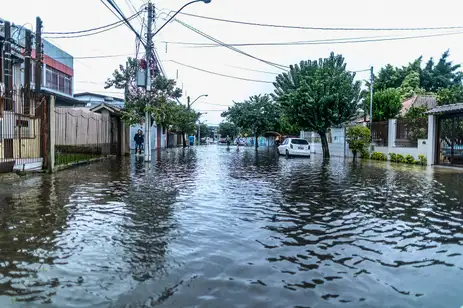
(378, 156)
(409, 159)
(393, 157)
(358, 138)
(422, 160)
(364, 154)
(401, 158)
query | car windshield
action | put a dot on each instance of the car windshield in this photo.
(299, 141)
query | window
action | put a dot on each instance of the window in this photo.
(58, 81)
(285, 142)
(299, 141)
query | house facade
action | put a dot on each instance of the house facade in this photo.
(22, 110)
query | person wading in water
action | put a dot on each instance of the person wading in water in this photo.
(139, 140)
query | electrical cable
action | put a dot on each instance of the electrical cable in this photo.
(219, 74)
(90, 30)
(321, 28)
(117, 16)
(88, 34)
(323, 42)
(279, 66)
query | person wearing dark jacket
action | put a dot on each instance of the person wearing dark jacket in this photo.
(139, 140)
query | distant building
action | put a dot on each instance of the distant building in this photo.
(93, 99)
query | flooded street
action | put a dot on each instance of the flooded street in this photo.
(209, 228)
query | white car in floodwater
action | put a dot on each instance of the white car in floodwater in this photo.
(294, 147)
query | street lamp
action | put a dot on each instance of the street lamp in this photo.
(173, 16)
(188, 99)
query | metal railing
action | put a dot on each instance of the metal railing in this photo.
(380, 133)
(408, 131)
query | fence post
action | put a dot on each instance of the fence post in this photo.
(392, 131)
(51, 135)
(432, 140)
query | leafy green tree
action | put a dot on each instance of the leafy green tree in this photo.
(410, 86)
(184, 120)
(204, 131)
(258, 114)
(386, 104)
(417, 123)
(443, 74)
(228, 129)
(451, 95)
(358, 137)
(158, 103)
(316, 95)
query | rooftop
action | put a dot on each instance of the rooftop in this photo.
(447, 109)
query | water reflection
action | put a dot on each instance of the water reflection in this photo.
(207, 227)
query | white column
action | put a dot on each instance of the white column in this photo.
(432, 139)
(392, 131)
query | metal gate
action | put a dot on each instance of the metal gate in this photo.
(22, 131)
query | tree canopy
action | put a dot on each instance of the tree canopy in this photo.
(432, 77)
(386, 104)
(317, 95)
(228, 129)
(358, 137)
(159, 103)
(258, 114)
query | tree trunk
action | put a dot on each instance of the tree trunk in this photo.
(326, 150)
(184, 140)
(257, 142)
(354, 153)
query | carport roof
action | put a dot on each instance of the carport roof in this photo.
(447, 109)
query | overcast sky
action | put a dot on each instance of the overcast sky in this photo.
(90, 74)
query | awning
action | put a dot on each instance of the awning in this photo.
(447, 109)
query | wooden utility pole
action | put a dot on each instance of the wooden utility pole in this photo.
(8, 69)
(38, 55)
(27, 73)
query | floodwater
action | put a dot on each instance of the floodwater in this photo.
(209, 228)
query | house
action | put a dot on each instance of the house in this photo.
(429, 101)
(94, 99)
(22, 112)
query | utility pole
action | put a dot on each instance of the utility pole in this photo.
(372, 77)
(188, 102)
(27, 73)
(38, 54)
(8, 72)
(148, 83)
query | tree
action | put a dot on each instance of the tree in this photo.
(158, 103)
(258, 114)
(184, 120)
(417, 123)
(358, 138)
(204, 131)
(410, 86)
(444, 74)
(386, 104)
(316, 95)
(451, 95)
(228, 129)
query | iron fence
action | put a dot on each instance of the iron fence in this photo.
(408, 131)
(22, 131)
(380, 133)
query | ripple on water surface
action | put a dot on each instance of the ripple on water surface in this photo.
(206, 227)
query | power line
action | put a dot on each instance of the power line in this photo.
(324, 42)
(90, 34)
(93, 29)
(251, 70)
(321, 28)
(219, 74)
(117, 16)
(279, 66)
